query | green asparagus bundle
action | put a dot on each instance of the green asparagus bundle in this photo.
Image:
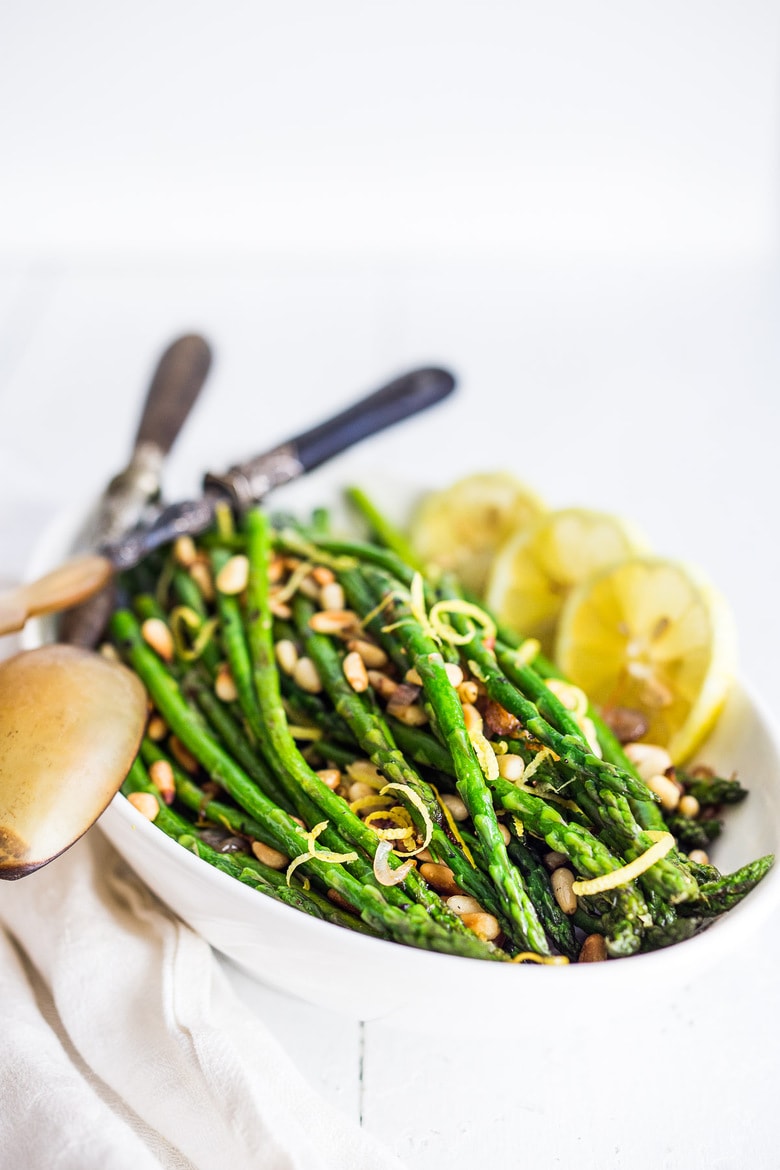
(364, 743)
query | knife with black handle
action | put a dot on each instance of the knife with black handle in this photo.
(173, 391)
(249, 483)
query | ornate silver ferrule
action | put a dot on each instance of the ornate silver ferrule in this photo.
(248, 483)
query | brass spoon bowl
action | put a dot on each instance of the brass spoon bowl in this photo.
(71, 723)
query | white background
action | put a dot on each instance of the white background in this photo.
(576, 207)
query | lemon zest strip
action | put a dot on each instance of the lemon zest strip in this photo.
(182, 617)
(537, 762)
(547, 960)
(447, 633)
(573, 698)
(485, 754)
(621, 877)
(528, 649)
(375, 801)
(403, 830)
(417, 801)
(417, 610)
(321, 854)
(519, 826)
(290, 587)
(452, 825)
(387, 600)
(544, 794)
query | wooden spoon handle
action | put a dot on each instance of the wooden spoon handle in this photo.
(65, 586)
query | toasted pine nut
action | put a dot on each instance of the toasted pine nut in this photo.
(332, 596)
(306, 676)
(323, 575)
(276, 570)
(161, 775)
(561, 881)
(355, 671)
(184, 551)
(109, 651)
(593, 949)
(699, 857)
(157, 729)
(156, 634)
(384, 686)
(413, 715)
(224, 685)
(511, 767)
(472, 718)
(330, 776)
(146, 804)
(367, 773)
(689, 806)
(440, 877)
(286, 655)
(333, 621)
(649, 759)
(553, 860)
(232, 578)
(468, 691)
(309, 588)
(412, 676)
(457, 808)
(201, 575)
(506, 836)
(424, 855)
(279, 608)
(357, 790)
(270, 857)
(464, 904)
(485, 926)
(454, 673)
(183, 755)
(666, 790)
(373, 655)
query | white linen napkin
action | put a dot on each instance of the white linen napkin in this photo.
(125, 1048)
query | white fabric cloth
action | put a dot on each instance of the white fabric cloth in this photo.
(125, 1048)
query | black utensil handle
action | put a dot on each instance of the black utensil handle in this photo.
(399, 399)
(176, 384)
(249, 482)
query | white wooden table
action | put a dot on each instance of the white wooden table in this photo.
(650, 391)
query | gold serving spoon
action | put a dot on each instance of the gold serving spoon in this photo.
(71, 723)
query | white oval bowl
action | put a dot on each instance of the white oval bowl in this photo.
(366, 978)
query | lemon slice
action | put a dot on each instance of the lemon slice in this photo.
(651, 635)
(460, 527)
(536, 569)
